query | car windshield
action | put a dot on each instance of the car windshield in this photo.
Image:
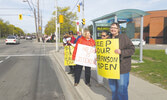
(11, 37)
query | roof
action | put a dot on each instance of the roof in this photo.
(122, 14)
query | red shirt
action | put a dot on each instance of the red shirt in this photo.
(72, 39)
(83, 41)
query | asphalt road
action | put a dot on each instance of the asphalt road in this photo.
(26, 72)
(154, 46)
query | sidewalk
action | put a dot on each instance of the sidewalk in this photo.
(138, 88)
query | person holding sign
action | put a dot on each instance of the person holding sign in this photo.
(88, 41)
(119, 87)
(104, 35)
(68, 40)
(71, 42)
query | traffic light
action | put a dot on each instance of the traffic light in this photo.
(20, 17)
(39, 28)
(78, 8)
(60, 18)
(83, 21)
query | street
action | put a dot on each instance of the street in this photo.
(26, 72)
(34, 71)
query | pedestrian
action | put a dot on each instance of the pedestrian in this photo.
(71, 43)
(85, 40)
(119, 87)
(43, 39)
(66, 38)
(104, 35)
(79, 36)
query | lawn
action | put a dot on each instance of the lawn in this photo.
(154, 68)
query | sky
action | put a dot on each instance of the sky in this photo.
(10, 9)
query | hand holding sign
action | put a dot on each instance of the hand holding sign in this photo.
(118, 51)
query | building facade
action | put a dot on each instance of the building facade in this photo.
(155, 27)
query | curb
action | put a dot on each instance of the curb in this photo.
(83, 90)
(69, 91)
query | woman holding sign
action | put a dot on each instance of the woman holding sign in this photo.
(126, 49)
(84, 40)
(104, 35)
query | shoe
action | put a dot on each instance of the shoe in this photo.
(70, 72)
(88, 84)
(73, 75)
(98, 85)
(75, 84)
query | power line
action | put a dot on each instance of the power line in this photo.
(12, 8)
(9, 14)
(75, 6)
(15, 15)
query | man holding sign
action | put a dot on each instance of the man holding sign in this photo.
(119, 87)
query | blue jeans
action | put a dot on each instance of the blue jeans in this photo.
(119, 87)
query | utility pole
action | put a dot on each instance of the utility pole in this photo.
(82, 15)
(56, 34)
(41, 22)
(34, 12)
(38, 20)
(35, 17)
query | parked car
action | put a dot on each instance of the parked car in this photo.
(28, 38)
(136, 42)
(12, 40)
(22, 37)
(34, 37)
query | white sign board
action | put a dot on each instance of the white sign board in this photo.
(85, 56)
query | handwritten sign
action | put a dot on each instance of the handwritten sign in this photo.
(108, 62)
(68, 51)
(85, 56)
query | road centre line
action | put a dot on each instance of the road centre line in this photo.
(1, 61)
(24, 55)
(7, 57)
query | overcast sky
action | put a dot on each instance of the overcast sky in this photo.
(10, 9)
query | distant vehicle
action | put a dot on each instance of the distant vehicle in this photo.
(34, 37)
(12, 40)
(28, 38)
(136, 42)
(22, 37)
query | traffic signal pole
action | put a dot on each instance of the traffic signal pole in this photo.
(83, 15)
(56, 34)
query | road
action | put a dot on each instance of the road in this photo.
(154, 46)
(26, 72)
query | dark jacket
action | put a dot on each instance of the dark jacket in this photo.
(77, 39)
(127, 50)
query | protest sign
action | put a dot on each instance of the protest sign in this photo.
(68, 51)
(85, 56)
(108, 62)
